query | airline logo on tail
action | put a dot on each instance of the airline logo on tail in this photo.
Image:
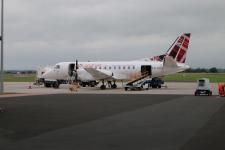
(178, 50)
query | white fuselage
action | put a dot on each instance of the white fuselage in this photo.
(119, 70)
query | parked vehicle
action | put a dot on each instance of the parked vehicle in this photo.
(154, 82)
(138, 86)
(146, 84)
(203, 87)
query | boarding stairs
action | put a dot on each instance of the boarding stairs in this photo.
(142, 76)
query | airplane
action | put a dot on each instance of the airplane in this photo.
(171, 62)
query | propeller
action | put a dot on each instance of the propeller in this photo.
(76, 73)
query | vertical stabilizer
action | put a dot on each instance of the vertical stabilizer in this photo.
(178, 50)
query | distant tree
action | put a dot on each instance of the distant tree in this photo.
(189, 70)
(204, 70)
(201, 70)
(213, 70)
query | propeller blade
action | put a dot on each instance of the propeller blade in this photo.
(76, 68)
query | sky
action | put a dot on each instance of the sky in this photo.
(44, 32)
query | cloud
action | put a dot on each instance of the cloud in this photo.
(47, 31)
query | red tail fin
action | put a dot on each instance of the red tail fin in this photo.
(178, 50)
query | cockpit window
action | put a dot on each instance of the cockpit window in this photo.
(57, 67)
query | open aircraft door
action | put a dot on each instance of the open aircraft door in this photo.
(146, 69)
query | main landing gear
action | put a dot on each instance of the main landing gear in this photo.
(103, 86)
(113, 86)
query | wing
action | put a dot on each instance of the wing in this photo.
(100, 75)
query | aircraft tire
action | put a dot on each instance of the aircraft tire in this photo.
(102, 87)
(92, 84)
(114, 86)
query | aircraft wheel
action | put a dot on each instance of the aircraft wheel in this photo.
(114, 86)
(92, 84)
(102, 87)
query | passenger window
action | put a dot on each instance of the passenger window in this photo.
(119, 67)
(133, 67)
(115, 67)
(109, 68)
(124, 67)
(128, 67)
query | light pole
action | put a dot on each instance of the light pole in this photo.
(2, 46)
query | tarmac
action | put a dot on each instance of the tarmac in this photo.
(34, 117)
(170, 88)
(112, 122)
